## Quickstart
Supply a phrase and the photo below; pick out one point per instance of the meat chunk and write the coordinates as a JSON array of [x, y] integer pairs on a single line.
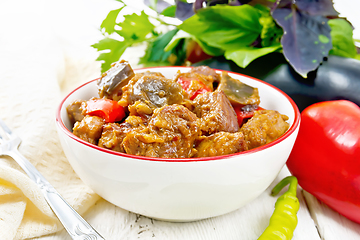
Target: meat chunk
[[170, 133], [74, 111], [89, 129], [220, 143], [148, 92], [112, 136], [264, 127], [141, 142], [150, 73], [136, 121], [215, 112]]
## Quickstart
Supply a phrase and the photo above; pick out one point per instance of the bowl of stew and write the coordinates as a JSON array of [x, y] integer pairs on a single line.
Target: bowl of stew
[[177, 143]]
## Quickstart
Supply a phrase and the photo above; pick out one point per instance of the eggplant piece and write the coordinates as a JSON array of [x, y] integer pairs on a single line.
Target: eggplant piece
[[111, 82], [146, 92], [336, 78], [238, 92]]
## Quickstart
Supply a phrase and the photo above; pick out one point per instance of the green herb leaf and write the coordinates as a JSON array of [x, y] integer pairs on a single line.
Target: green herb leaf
[[244, 56], [271, 33], [184, 35], [110, 21], [176, 39], [342, 38], [169, 11], [135, 27], [225, 27], [114, 50], [212, 51], [155, 53]]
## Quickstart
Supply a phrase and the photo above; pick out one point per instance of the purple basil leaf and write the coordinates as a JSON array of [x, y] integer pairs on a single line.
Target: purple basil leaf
[[284, 3], [183, 10], [317, 7], [306, 40], [199, 4]]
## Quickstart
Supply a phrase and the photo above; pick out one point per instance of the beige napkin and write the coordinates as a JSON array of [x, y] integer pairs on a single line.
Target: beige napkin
[[37, 67]]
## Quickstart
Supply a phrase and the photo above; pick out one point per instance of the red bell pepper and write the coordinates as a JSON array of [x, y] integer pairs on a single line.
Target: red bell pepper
[[195, 53], [108, 109], [243, 113], [326, 155], [193, 86]]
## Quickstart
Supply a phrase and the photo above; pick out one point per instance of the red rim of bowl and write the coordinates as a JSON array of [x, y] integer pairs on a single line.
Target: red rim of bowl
[[283, 137]]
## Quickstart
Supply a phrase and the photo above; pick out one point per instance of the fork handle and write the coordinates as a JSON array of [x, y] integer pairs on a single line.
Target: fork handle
[[74, 224]]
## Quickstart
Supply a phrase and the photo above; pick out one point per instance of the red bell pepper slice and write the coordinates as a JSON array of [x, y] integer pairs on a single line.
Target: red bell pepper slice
[[107, 109], [193, 86], [243, 113]]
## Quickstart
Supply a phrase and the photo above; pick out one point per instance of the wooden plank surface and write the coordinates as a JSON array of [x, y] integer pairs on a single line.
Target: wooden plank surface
[[331, 225], [316, 221], [246, 223]]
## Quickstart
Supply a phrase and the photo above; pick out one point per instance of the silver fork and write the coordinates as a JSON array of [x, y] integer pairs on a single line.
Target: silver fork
[[74, 224]]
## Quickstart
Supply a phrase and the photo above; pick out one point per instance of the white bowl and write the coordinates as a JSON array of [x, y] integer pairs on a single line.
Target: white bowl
[[180, 189]]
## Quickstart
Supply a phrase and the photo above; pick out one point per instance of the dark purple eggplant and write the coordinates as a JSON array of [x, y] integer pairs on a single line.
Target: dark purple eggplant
[[237, 92], [115, 78], [336, 78]]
